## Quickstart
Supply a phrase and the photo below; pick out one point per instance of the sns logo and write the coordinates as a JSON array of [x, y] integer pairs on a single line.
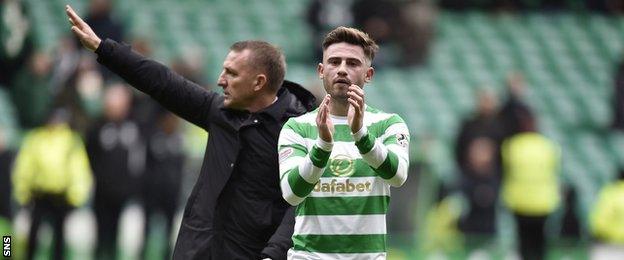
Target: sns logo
[[6, 246]]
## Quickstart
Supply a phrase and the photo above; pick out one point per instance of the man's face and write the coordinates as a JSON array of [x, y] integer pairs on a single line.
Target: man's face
[[117, 102], [344, 64], [237, 80], [487, 104]]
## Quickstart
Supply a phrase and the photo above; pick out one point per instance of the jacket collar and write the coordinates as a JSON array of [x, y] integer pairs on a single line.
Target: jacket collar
[[277, 109], [292, 99]]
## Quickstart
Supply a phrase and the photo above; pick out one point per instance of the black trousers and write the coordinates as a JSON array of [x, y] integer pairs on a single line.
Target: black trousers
[[531, 235], [152, 206], [107, 214], [55, 209]]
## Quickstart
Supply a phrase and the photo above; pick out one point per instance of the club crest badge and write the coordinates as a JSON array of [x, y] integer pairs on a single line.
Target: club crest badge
[[402, 140]]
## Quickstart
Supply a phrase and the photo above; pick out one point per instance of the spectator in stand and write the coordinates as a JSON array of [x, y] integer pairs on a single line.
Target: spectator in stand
[[162, 179], [65, 63], [380, 19], [117, 158], [484, 124], [480, 186], [514, 106], [103, 23], [415, 31], [325, 15], [16, 39], [30, 91], [83, 94]]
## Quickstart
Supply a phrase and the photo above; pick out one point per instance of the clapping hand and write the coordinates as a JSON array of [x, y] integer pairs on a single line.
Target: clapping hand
[[323, 121], [355, 114]]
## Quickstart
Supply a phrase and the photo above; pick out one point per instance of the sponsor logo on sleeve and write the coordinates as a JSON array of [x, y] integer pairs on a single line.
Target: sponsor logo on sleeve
[[285, 153]]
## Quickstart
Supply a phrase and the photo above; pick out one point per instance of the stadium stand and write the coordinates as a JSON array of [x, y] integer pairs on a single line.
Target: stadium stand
[[568, 60]]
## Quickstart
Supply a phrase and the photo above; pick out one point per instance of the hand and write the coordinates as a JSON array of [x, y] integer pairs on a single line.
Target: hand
[[82, 30], [323, 122], [355, 114]]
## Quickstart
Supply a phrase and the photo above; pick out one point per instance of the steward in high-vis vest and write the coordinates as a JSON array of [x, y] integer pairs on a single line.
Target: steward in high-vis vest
[[530, 187], [607, 217], [531, 166], [52, 173]]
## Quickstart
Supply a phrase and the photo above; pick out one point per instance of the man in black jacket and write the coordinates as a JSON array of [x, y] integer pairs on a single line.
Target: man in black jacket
[[235, 210], [114, 148]]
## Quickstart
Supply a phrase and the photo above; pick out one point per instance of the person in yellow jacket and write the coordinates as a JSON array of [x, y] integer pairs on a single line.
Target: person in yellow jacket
[[52, 174], [530, 184], [607, 217]]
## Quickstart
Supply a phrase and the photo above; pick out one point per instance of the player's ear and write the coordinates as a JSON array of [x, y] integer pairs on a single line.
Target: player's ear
[[369, 75]]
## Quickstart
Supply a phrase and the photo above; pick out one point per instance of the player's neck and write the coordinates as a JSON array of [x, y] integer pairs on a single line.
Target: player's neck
[[339, 107]]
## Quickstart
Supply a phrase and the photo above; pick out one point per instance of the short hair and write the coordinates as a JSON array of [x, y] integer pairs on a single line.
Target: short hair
[[267, 58], [352, 36]]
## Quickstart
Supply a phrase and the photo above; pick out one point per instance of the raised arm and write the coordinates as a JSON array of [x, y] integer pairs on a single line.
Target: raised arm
[[179, 95], [301, 169]]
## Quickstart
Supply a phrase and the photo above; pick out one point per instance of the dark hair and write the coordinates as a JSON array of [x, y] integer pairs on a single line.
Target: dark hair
[[267, 58], [352, 36], [527, 121]]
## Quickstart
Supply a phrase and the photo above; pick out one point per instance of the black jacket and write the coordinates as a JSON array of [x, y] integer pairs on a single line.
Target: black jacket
[[236, 205], [112, 149]]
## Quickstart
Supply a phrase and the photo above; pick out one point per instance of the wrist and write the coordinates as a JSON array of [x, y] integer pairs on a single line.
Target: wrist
[[365, 143], [324, 145], [357, 136], [100, 47], [98, 42], [319, 155]]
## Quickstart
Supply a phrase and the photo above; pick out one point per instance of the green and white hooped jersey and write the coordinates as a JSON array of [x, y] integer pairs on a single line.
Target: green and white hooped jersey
[[342, 189]]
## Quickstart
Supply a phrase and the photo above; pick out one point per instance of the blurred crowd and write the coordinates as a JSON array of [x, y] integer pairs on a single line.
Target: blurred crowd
[[606, 6], [86, 139], [507, 168], [403, 29]]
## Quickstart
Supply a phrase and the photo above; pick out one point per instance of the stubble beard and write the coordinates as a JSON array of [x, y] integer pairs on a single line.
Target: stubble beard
[[336, 93]]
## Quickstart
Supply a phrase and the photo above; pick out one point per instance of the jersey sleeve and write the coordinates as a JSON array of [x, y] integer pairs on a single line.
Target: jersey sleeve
[[388, 155], [300, 168]]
